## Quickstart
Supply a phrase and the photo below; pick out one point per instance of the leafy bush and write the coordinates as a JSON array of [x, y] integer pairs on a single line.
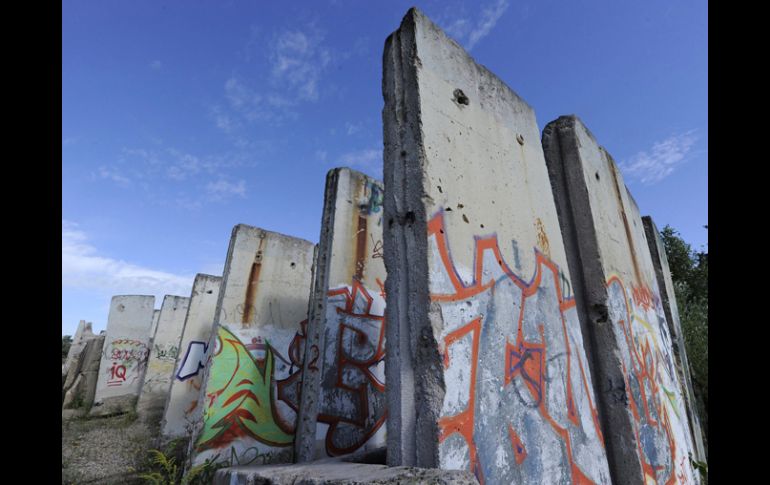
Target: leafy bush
[[164, 469]]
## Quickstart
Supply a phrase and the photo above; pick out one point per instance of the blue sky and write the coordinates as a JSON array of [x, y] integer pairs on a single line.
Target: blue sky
[[183, 119]]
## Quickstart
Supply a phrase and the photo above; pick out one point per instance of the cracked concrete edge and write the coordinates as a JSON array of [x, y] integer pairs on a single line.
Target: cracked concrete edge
[[411, 437], [307, 417]]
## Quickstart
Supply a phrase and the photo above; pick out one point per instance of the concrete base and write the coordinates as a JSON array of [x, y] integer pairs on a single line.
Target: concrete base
[[336, 472]]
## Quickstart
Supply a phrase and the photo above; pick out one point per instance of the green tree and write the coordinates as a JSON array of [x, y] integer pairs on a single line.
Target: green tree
[[66, 342], [689, 271]]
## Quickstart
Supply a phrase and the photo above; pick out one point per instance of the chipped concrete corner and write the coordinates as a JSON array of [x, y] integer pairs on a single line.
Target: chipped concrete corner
[[480, 309], [343, 395]]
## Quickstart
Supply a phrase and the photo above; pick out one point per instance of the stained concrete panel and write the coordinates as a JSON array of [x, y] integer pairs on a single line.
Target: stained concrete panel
[[486, 366], [162, 361], [125, 353], [641, 398], [182, 409], [668, 300], [343, 388], [250, 395]]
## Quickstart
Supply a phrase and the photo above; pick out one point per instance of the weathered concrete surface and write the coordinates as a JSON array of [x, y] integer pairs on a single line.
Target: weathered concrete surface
[[80, 386], [486, 366], [640, 394], [182, 405], [162, 361], [83, 334], [668, 300], [125, 353], [343, 385], [336, 472], [155, 320], [251, 386]]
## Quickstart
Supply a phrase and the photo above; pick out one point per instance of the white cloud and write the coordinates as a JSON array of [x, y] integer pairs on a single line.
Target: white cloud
[[352, 128], [469, 31], [222, 189], [84, 268], [114, 175], [298, 60], [489, 17], [368, 160], [661, 160], [156, 65]]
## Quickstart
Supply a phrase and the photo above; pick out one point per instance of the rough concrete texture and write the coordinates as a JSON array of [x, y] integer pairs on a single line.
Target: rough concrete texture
[[250, 395], [125, 353], [486, 365], [640, 395], [182, 404], [343, 385], [155, 320], [333, 472], [668, 299], [83, 334], [80, 386], [162, 361]]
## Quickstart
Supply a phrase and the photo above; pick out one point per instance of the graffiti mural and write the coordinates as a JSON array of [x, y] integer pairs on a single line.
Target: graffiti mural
[[194, 360], [518, 406], [129, 360], [252, 395], [652, 387], [352, 393]]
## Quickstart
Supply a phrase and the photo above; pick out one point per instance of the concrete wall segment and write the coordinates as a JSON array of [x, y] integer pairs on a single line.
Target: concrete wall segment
[[125, 354], [344, 383], [251, 386], [469, 217], [640, 395]]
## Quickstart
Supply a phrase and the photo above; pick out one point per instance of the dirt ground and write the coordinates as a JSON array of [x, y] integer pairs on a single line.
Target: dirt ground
[[110, 450]]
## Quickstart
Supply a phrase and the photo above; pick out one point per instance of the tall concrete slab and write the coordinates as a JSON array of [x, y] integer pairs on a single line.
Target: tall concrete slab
[[80, 385], [640, 392], [343, 387], [162, 361], [182, 404], [125, 353], [250, 395], [668, 300], [486, 367], [83, 334]]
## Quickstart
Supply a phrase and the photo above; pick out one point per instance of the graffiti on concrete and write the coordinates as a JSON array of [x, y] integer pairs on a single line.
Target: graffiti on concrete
[[651, 386], [373, 194], [242, 396], [166, 352], [194, 360], [129, 359], [352, 395], [518, 406]]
